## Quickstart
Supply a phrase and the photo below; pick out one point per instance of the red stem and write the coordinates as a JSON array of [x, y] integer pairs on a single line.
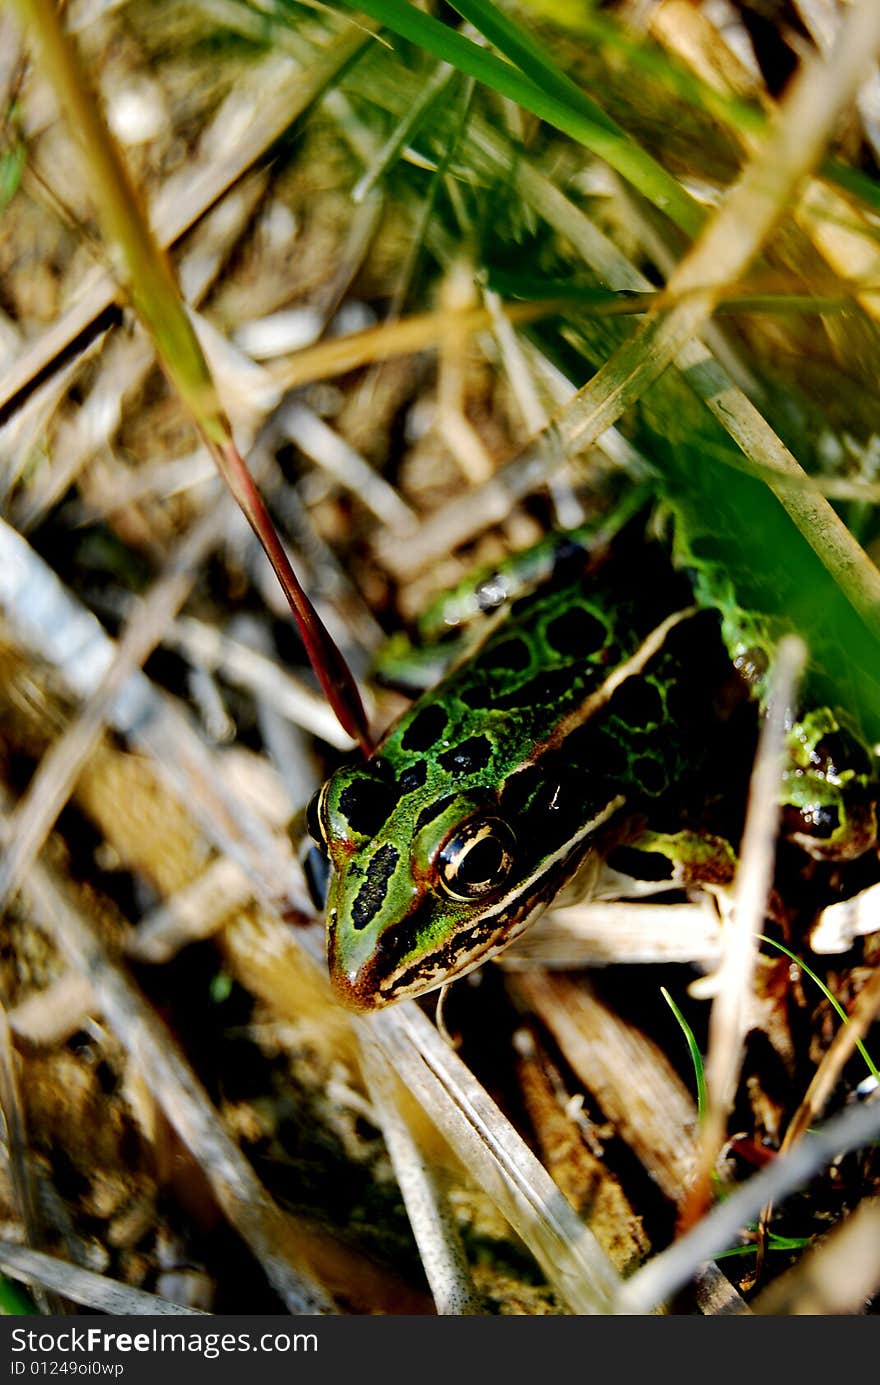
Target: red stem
[[326, 659]]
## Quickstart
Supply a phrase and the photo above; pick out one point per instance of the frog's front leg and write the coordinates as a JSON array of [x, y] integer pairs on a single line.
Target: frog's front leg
[[653, 862], [609, 914]]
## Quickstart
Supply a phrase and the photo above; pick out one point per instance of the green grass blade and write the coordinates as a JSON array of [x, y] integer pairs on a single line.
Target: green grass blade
[[601, 137], [12, 162], [149, 281], [530, 57], [693, 1046], [15, 1301], [774, 1243], [832, 999], [644, 58]]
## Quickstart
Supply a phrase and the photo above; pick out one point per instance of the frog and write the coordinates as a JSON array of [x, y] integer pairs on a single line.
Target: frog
[[589, 685]]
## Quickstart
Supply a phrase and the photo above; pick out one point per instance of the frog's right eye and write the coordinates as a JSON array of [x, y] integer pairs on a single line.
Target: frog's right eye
[[314, 824]]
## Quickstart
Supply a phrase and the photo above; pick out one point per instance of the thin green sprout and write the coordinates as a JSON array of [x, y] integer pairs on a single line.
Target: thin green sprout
[[829, 997], [696, 1056]]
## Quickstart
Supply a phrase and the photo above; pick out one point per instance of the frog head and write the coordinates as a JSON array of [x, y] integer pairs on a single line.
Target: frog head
[[427, 881]]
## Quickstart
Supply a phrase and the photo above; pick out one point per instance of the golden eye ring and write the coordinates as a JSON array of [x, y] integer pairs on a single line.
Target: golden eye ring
[[476, 859], [315, 817]]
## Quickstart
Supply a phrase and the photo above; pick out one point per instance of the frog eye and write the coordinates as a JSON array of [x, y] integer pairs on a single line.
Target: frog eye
[[477, 859], [314, 824]]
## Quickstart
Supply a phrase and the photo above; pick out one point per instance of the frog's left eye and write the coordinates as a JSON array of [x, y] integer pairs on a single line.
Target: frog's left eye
[[477, 859]]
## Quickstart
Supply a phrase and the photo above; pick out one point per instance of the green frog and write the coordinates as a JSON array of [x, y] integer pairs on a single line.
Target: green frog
[[595, 685]]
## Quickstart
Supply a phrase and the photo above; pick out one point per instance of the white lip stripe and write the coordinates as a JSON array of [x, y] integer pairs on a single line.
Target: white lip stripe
[[559, 854]]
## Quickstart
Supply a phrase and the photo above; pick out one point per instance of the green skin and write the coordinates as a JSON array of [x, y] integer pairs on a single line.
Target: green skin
[[577, 715]]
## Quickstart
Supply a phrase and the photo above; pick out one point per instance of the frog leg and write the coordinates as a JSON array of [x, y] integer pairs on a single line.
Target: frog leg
[[604, 917], [653, 862]]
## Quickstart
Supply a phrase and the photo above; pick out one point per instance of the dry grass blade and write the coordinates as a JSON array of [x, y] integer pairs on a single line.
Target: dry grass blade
[[497, 1156], [843, 1046], [94, 1291], [839, 1275], [52, 1015], [632, 1081], [53, 626], [637, 1090], [250, 669], [524, 1147], [731, 986], [15, 1133], [193, 913], [150, 283], [53, 782], [16, 1142], [145, 272], [430, 1216], [606, 933], [244, 1201], [712, 382], [317, 440], [840, 924], [126, 362], [721, 256], [402, 337], [483, 1139], [277, 95], [668, 1272]]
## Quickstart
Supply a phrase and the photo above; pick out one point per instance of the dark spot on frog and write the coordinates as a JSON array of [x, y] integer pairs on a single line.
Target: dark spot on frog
[[469, 755], [598, 752], [650, 774], [522, 608], [479, 696], [577, 633], [571, 559], [413, 777], [512, 655], [371, 895], [519, 789], [638, 704], [560, 806], [545, 690], [432, 811], [367, 803], [401, 939], [425, 729]]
